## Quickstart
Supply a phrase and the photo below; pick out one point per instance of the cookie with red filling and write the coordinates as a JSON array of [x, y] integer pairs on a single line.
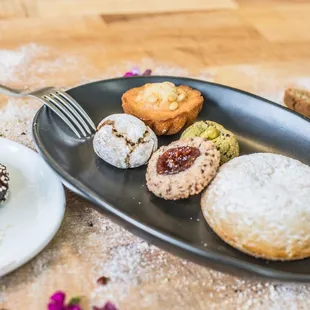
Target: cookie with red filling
[[182, 168]]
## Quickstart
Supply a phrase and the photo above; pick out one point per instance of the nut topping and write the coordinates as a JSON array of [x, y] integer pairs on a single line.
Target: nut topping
[[181, 97], [172, 97], [152, 98], [211, 133], [173, 106]]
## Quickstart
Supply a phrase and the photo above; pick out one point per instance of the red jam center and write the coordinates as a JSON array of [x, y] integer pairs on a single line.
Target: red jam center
[[177, 159]]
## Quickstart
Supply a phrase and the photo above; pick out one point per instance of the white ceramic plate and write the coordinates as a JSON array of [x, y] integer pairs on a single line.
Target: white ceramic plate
[[31, 216]]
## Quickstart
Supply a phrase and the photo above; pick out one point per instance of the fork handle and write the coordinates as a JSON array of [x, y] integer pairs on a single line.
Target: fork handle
[[11, 92]]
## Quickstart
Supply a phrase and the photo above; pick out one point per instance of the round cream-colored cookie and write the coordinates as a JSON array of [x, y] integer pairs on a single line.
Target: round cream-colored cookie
[[124, 141], [188, 181], [260, 204]]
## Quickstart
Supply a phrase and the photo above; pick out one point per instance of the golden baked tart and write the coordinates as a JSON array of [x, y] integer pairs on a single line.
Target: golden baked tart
[[164, 107]]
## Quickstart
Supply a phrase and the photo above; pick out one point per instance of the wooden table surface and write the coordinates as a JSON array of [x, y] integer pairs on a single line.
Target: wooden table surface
[[260, 46]]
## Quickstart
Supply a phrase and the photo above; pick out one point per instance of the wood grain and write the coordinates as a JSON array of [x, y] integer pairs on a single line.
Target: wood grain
[[259, 46]]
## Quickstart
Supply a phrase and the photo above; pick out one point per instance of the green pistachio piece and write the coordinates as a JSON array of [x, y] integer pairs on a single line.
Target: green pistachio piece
[[195, 130], [210, 133]]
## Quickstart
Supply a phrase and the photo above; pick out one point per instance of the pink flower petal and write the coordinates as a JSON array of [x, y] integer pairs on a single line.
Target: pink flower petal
[[55, 306], [128, 74], [109, 306], [147, 72], [58, 297]]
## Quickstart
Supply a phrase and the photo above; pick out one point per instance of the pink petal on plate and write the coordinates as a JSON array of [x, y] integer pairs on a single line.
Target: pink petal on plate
[[58, 297]]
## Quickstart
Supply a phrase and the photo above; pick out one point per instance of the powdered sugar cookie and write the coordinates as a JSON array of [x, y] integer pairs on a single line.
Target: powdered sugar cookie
[[259, 204], [124, 141], [182, 168]]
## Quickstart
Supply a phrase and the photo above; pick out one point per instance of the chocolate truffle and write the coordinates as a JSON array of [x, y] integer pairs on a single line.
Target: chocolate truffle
[[4, 183]]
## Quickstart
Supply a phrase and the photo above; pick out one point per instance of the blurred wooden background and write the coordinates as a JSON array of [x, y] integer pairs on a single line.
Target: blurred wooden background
[[206, 32]]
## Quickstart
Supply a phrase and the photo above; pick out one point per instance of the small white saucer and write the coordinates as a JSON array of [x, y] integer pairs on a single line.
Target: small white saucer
[[32, 215]]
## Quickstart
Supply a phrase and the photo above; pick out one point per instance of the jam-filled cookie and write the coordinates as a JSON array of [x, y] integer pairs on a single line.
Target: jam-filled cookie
[[183, 168], [4, 183], [164, 107], [224, 139], [124, 141]]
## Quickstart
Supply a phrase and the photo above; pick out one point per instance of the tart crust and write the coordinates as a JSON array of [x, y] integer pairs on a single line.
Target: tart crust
[[159, 115]]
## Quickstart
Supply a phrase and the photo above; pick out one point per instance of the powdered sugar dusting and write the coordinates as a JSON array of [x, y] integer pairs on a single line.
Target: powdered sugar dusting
[[89, 245], [273, 218]]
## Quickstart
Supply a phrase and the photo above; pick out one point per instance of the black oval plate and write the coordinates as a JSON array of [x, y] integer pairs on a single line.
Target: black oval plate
[[179, 227]]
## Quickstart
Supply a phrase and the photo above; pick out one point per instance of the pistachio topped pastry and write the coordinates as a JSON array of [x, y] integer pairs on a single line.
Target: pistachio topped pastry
[[225, 140], [165, 107]]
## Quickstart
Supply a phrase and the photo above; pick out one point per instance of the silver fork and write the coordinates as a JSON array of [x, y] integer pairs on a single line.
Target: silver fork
[[62, 104]]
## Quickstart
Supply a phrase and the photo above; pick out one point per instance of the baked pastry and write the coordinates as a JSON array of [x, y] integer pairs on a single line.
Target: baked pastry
[[183, 168], [224, 139], [124, 141], [298, 100], [259, 204], [164, 107], [4, 183]]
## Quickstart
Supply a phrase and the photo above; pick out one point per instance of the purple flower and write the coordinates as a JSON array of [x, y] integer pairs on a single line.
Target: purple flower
[[58, 297], [57, 302], [147, 72], [73, 307], [136, 72], [107, 306], [129, 74]]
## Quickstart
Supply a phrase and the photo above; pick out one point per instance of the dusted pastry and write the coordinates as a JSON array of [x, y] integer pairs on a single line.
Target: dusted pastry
[[224, 139], [124, 141], [259, 204], [183, 168], [164, 107], [4, 183]]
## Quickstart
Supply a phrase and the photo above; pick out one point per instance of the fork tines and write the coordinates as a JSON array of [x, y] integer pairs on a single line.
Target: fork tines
[[70, 111]]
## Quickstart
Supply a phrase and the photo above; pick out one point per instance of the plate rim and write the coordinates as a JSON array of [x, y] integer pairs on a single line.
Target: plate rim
[[206, 254], [40, 247]]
